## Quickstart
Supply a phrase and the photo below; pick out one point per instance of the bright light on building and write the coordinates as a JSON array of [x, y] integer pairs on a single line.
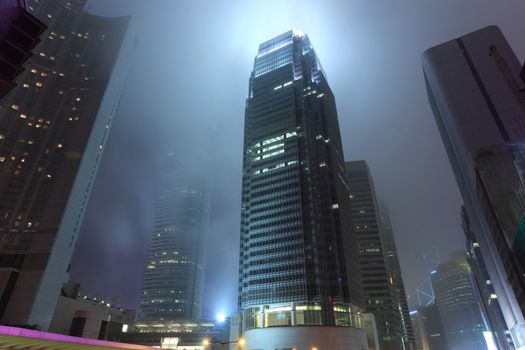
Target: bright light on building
[[221, 317], [241, 342], [489, 339]]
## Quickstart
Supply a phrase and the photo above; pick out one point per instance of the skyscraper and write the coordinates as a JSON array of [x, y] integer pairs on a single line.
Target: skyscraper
[[478, 99], [298, 262], [458, 308], [376, 259], [394, 268], [19, 33], [53, 128], [429, 328], [174, 277], [484, 290]]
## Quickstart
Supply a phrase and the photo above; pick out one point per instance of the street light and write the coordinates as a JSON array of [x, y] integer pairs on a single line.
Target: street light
[[241, 342]]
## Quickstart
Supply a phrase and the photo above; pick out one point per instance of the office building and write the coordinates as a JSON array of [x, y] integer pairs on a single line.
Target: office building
[[478, 99], [298, 263], [53, 128], [19, 34], [484, 293], [379, 289], [394, 268], [429, 328], [174, 277], [459, 310]]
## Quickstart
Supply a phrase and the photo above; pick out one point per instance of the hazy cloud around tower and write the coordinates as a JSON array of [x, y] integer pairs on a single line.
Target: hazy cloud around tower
[[186, 94]]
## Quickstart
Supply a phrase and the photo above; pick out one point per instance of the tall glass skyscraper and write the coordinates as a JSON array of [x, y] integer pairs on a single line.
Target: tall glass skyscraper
[[298, 262], [460, 312], [53, 128], [478, 99], [173, 282], [394, 268], [383, 288]]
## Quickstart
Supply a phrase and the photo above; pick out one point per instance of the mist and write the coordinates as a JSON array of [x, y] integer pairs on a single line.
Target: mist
[[186, 94]]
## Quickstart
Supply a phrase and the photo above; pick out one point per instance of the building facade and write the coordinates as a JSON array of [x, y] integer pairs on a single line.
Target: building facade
[[428, 327], [483, 289], [379, 288], [19, 34], [478, 99], [459, 310], [394, 268], [298, 262], [53, 128], [80, 315], [174, 277]]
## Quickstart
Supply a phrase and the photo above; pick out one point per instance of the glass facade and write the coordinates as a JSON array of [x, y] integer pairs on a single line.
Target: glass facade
[[377, 275], [298, 262], [174, 277], [459, 310], [392, 263], [53, 128], [478, 99]]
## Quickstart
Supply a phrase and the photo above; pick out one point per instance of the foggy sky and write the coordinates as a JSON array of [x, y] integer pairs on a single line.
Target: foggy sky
[[190, 80]]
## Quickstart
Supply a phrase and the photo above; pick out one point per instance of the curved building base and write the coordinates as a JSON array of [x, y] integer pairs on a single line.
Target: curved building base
[[306, 338]]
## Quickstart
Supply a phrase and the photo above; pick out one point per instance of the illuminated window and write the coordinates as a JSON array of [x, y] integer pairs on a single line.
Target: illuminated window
[[33, 70], [15, 107], [334, 206], [39, 84], [25, 85]]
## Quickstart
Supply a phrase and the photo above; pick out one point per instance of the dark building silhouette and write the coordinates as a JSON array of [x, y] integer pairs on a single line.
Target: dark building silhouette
[[459, 310], [483, 290], [19, 34], [298, 262], [53, 128], [478, 99], [377, 259], [174, 277]]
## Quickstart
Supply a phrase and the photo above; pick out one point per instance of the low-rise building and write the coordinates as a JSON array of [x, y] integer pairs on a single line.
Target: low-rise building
[[88, 317]]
